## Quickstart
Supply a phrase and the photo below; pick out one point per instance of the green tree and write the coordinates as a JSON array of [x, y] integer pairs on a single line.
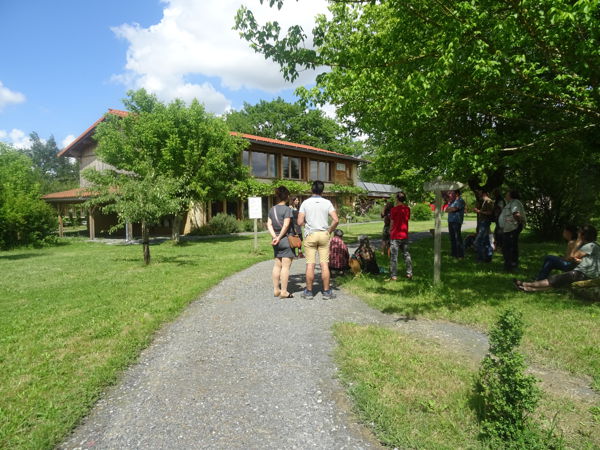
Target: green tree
[[472, 90], [135, 199], [174, 141], [278, 119], [56, 174], [25, 219]]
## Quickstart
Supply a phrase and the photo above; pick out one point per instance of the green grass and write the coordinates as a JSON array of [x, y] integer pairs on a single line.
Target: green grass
[[562, 331], [73, 316], [416, 394]]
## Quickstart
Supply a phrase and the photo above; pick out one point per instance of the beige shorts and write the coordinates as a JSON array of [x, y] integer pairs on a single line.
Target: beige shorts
[[317, 242]]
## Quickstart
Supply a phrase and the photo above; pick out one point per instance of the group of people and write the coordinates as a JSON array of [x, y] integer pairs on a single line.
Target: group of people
[[314, 215], [318, 217], [507, 213]]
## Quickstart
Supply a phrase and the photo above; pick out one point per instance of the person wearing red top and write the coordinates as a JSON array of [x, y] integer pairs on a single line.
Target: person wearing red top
[[400, 215]]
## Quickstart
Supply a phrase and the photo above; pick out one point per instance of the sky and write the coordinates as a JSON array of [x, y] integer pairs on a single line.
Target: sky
[[63, 63]]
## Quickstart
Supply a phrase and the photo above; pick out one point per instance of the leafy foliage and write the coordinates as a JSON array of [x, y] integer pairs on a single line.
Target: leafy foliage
[[485, 91], [507, 395], [293, 122], [56, 174], [421, 211], [174, 140], [25, 219]]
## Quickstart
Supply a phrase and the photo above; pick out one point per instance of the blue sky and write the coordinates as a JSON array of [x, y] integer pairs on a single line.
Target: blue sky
[[65, 62]]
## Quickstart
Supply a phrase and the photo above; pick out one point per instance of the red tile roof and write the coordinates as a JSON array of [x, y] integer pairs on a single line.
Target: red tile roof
[[252, 138], [89, 131], [290, 145], [71, 194]]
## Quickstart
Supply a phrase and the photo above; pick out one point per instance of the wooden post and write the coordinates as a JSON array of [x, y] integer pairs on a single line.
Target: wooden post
[[92, 224], [255, 235], [437, 186], [437, 239], [61, 228]]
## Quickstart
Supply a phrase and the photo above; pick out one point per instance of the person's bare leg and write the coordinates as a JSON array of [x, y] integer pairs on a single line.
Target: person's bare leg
[[275, 275], [285, 275], [310, 276], [541, 285], [325, 275]]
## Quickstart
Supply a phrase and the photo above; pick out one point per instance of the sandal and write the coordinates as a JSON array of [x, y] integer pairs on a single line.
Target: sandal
[[287, 296]]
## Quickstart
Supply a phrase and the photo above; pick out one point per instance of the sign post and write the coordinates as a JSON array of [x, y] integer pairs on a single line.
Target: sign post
[[438, 185], [255, 212]]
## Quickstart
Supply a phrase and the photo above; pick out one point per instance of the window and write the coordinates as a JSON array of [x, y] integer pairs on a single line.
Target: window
[[262, 164], [319, 170], [292, 168]]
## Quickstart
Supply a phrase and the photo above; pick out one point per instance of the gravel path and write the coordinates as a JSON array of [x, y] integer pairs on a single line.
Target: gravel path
[[242, 369], [238, 369]]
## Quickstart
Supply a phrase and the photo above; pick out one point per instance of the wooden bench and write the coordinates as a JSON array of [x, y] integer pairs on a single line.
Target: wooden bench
[[588, 289]]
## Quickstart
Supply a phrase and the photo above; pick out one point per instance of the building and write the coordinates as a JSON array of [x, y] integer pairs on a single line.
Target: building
[[268, 159]]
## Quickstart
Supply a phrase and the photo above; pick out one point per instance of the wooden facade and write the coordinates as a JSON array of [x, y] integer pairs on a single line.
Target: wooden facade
[[269, 160]]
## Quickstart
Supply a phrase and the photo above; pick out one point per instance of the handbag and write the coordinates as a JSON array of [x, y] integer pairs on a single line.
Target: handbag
[[293, 239]]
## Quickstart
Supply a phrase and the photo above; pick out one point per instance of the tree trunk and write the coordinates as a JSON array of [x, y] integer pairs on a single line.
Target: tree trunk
[[146, 242], [175, 236]]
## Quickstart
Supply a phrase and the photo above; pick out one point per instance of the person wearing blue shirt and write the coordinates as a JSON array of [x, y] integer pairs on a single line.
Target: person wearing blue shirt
[[456, 213]]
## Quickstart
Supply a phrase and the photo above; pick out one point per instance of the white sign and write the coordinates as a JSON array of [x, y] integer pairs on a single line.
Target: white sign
[[254, 207], [440, 185]]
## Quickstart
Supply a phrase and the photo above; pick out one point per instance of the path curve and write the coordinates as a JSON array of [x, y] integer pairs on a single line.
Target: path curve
[[242, 369]]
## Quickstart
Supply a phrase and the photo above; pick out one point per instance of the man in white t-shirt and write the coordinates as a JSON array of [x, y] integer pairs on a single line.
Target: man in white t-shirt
[[314, 215]]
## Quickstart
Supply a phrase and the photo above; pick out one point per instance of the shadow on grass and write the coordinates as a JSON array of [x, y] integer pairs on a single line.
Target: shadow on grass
[[19, 256], [465, 284]]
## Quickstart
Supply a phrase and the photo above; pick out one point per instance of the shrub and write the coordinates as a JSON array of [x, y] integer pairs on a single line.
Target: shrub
[[421, 211], [25, 219], [248, 225], [224, 224], [506, 395]]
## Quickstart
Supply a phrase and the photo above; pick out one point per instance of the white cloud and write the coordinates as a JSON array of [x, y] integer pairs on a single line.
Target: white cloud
[[67, 140], [16, 138], [197, 38], [7, 96]]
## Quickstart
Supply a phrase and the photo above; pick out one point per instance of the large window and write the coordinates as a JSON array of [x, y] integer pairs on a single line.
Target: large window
[[262, 164], [319, 170], [292, 168]]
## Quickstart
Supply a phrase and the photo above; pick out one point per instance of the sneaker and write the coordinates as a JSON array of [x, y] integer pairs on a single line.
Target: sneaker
[[307, 294], [409, 276], [328, 295]]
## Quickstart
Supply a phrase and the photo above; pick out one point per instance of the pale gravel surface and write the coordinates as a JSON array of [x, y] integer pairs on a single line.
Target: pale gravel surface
[[242, 369]]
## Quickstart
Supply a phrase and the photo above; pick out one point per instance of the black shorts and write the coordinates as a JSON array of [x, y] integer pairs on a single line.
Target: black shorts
[[566, 278]]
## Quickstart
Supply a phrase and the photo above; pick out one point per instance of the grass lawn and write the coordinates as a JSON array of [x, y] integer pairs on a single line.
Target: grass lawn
[[385, 371], [416, 394], [73, 316]]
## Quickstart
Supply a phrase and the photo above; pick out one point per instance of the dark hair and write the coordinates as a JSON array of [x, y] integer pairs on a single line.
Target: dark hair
[[401, 196], [282, 194], [571, 229], [294, 198], [457, 191], [318, 187], [589, 233], [514, 195], [339, 233]]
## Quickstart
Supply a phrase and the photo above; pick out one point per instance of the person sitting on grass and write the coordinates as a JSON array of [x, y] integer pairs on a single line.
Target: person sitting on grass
[[566, 263], [365, 256], [587, 256], [338, 253]]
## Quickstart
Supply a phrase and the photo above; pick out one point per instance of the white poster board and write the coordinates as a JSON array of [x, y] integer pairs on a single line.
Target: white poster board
[[255, 207]]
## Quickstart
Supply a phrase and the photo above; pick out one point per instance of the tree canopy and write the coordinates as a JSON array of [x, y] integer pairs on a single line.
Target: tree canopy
[[478, 91], [164, 157], [278, 119], [24, 218], [56, 174]]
